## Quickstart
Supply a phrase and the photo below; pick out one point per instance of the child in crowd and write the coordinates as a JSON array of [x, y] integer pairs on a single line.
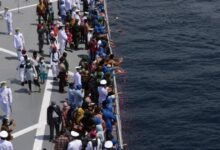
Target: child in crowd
[[43, 70]]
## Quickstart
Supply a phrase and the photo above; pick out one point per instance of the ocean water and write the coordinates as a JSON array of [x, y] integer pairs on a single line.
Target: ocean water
[[171, 92]]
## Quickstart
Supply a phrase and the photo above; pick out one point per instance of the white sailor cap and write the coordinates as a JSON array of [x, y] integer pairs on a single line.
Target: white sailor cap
[[86, 12], [74, 5], [84, 18], [4, 134], [78, 67], [99, 42], [112, 96], [3, 83], [108, 144], [17, 29], [103, 82], [74, 133], [91, 29], [77, 10]]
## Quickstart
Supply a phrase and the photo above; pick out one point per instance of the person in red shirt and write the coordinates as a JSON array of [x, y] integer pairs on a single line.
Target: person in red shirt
[[92, 49]]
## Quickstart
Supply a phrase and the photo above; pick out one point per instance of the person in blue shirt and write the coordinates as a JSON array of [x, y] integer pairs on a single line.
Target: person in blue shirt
[[109, 118]]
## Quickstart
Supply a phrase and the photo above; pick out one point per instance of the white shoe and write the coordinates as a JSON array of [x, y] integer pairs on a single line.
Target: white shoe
[[10, 33]]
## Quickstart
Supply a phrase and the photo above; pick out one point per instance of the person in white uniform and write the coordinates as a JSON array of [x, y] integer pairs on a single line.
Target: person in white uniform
[[77, 77], [62, 37], [8, 19], [75, 144], [18, 41], [5, 99], [103, 92], [4, 144]]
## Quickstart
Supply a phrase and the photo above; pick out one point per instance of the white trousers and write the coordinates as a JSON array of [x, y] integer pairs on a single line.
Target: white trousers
[[55, 69], [19, 54], [21, 74], [62, 47], [9, 27], [5, 109]]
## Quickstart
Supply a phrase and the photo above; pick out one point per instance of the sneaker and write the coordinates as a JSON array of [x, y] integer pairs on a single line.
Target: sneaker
[[10, 33]]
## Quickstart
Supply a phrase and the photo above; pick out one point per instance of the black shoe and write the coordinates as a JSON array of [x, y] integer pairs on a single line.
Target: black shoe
[[22, 83], [54, 78]]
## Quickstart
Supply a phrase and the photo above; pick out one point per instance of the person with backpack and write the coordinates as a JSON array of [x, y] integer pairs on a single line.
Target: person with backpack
[[31, 74], [94, 143]]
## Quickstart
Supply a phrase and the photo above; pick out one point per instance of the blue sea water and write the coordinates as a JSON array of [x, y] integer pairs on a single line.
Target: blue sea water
[[171, 92]]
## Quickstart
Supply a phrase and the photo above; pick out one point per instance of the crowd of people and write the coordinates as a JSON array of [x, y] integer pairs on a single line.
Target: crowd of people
[[86, 119]]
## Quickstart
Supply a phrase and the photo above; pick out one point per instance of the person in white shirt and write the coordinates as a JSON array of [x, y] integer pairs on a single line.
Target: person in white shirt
[[4, 144], [54, 62], [8, 19], [77, 17], [75, 144], [103, 92], [77, 2], [68, 4], [89, 35], [5, 99], [62, 37], [77, 77], [18, 41]]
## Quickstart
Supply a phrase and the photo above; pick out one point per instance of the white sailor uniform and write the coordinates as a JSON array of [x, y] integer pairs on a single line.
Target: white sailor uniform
[[8, 19], [6, 101], [18, 41]]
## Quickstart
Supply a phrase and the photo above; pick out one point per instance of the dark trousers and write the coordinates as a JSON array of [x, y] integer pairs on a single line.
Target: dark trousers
[[41, 44], [54, 124], [39, 18]]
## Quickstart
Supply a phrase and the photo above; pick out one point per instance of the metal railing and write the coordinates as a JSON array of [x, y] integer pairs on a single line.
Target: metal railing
[[117, 108]]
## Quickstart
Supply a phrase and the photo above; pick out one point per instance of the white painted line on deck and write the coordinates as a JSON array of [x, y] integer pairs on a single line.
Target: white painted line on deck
[[24, 131], [23, 7], [38, 142], [8, 52]]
